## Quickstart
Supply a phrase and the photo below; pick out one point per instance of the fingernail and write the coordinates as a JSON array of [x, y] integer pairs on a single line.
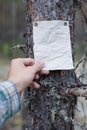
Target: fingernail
[[38, 86]]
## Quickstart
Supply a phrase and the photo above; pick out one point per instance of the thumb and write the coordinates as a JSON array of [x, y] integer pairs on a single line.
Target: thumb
[[38, 66]]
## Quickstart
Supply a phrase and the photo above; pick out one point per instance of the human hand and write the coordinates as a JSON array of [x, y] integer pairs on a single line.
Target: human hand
[[23, 71]]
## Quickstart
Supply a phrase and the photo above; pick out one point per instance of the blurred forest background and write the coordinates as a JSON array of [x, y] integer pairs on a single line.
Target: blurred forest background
[[12, 28]]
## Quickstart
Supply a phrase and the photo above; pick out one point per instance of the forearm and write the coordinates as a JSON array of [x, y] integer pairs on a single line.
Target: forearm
[[22, 73], [9, 101]]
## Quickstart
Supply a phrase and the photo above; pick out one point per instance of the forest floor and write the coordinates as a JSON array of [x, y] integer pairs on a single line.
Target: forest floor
[[15, 123]]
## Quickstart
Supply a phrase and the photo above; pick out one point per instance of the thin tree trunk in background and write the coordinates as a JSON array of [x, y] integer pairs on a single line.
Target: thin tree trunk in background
[[13, 15], [49, 108]]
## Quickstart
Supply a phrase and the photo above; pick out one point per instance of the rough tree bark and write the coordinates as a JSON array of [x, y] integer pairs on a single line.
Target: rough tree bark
[[49, 108]]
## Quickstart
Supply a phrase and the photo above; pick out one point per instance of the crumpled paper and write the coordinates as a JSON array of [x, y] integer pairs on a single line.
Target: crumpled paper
[[52, 44]]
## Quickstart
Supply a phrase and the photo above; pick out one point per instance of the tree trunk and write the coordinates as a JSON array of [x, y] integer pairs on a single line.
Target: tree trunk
[[49, 108]]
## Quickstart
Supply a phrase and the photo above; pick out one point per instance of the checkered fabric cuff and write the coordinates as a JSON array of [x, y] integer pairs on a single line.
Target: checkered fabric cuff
[[12, 96]]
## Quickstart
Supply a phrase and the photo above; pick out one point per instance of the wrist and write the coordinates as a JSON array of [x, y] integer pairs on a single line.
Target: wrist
[[17, 86]]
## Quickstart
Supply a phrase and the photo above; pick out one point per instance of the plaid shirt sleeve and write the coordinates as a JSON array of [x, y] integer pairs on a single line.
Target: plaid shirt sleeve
[[9, 101]]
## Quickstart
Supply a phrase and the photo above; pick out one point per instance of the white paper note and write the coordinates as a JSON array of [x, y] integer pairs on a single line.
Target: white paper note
[[52, 44]]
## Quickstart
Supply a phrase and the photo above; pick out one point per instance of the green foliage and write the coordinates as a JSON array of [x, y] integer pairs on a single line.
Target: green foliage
[[5, 49], [8, 51]]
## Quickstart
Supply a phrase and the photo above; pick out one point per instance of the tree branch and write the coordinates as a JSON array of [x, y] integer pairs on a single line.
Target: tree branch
[[77, 92], [84, 58]]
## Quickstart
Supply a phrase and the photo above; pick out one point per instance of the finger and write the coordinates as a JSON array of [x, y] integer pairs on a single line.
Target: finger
[[35, 84], [38, 66], [44, 72], [27, 61], [36, 76]]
